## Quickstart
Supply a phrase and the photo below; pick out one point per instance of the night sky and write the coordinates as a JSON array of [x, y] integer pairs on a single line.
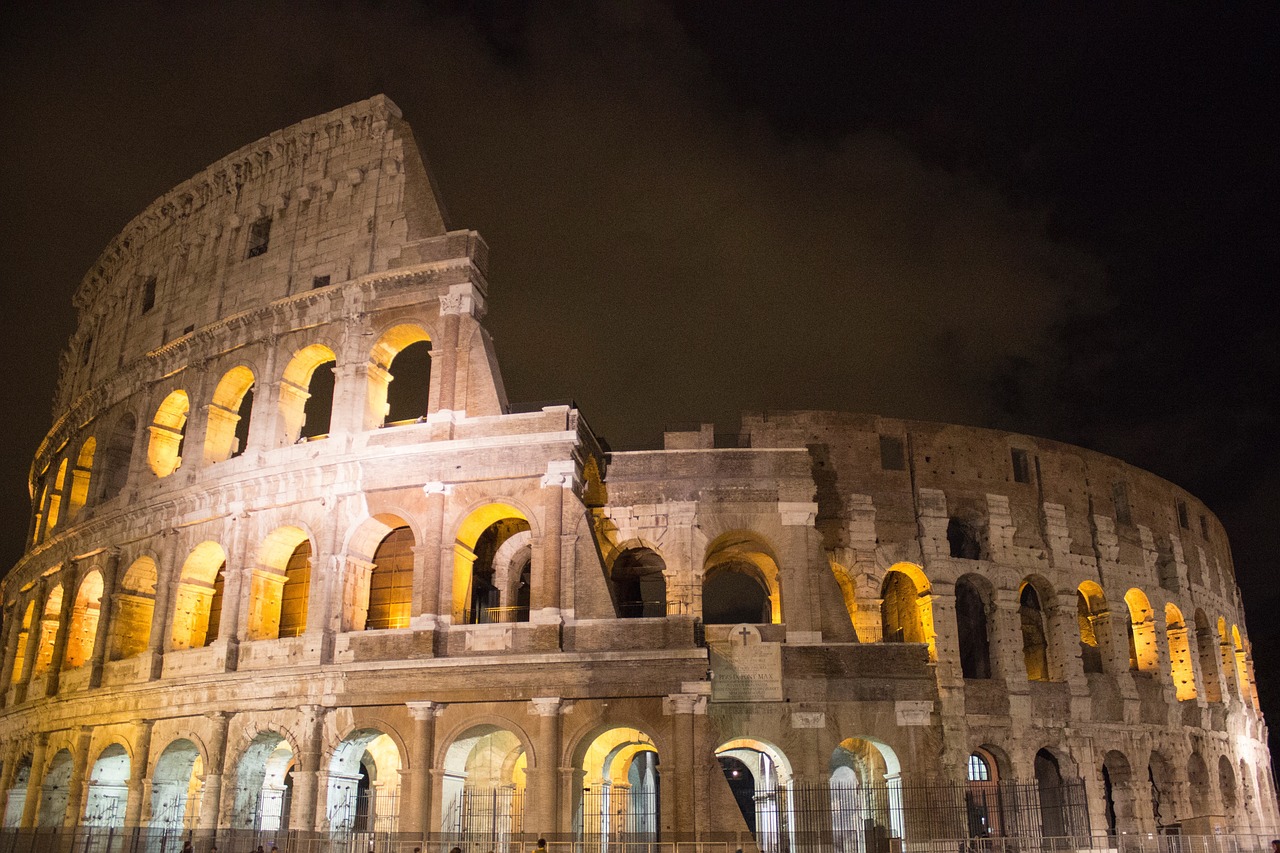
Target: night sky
[[1059, 221]]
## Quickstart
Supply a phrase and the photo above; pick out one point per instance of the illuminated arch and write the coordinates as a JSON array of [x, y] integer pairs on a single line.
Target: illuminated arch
[[108, 788], [480, 594], [1143, 654], [906, 613], [1243, 677], [53, 508], [306, 395], [637, 581], [85, 614], [403, 349], [858, 763], [758, 774], [1093, 621], [176, 786], [280, 585], [227, 430], [1180, 667], [364, 783], [133, 607], [263, 782], [1035, 629], [55, 790], [740, 580], [24, 638], [486, 763], [48, 631], [619, 796], [198, 600], [168, 433], [974, 597], [81, 477]]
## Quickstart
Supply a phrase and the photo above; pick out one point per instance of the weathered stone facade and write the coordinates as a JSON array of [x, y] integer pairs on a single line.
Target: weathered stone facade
[[243, 581]]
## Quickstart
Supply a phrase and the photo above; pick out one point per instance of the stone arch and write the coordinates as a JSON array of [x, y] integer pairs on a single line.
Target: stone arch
[[403, 351], [740, 581], [1227, 789], [906, 615], [1093, 619], [637, 580], [17, 793], [133, 607], [866, 791], [982, 794], [198, 599], [1243, 681], [54, 790], [1199, 786], [229, 415], [485, 768], [974, 598], [263, 781], [81, 477], [306, 394], [168, 434], [367, 544], [117, 457], [1180, 667], [108, 787], [1207, 656], [85, 613], [619, 793], [1143, 654], [50, 616], [477, 598], [364, 782], [758, 774], [53, 502], [280, 585], [849, 595], [24, 637], [1052, 770], [513, 573], [1119, 792], [177, 785], [1032, 593], [1160, 782]]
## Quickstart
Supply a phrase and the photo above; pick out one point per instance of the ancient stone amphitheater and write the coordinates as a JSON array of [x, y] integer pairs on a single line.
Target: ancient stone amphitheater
[[298, 572]]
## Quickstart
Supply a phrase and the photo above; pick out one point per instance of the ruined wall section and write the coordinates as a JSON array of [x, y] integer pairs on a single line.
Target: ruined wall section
[[322, 202]]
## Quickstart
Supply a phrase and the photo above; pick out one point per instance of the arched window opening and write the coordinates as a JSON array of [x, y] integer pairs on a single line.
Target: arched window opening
[[1091, 618], [1119, 794], [176, 787], [280, 585], [85, 614], [134, 606], [620, 782], [262, 784], [24, 637], [1247, 695], [227, 433], [482, 791], [734, 593], [759, 778], [1054, 820], [1035, 645], [639, 585], [971, 626], [1143, 654], [410, 383], [53, 509], [118, 456], [168, 434], [1184, 679], [17, 793], [108, 788], [391, 581], [48, 631], [900, 610], [1227, 788], [982, 795], [1207, 655], [55, 791], [306, 395], [962, 537], [78, 494], [494, 570], [197, 610], [866, 797], [1198, 786]]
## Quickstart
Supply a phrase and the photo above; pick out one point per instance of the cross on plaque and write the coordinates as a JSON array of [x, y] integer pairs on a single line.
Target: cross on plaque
[[744, 632]]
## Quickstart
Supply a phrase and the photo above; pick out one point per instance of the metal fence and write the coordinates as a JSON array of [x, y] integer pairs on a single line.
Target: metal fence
[[485, 818]]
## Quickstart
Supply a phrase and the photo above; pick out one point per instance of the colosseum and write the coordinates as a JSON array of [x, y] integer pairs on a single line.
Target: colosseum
[[298, 573]]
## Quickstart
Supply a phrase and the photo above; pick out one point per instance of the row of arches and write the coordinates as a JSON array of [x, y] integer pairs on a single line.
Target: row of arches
[[1201, 655], [303, 398]]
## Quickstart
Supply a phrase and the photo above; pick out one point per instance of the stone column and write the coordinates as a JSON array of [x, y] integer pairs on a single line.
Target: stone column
[[447, 356], [308, 776], [211, 805], [30, 808], [430, 571], [138, 773], [801, 610], [69, 591], [110, 579], [545, 596], [350, 382], [543, 803], [679, 775], [415, 797], [33, 641], [13, 630], [168, 576], [79, 773]]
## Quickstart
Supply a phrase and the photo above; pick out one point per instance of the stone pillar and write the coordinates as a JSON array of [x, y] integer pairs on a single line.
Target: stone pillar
[[69, 591], [545, 596], [31, 806], [415, 796], [110, 580], [13, 630], [543, 806], [233, 621], [679, 775], [138, 773], [347, 414], [211, 805], [33, 641], [430, 570], [444, 361], [801, 610], [168, 576], [308, 776], [79, 781]]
